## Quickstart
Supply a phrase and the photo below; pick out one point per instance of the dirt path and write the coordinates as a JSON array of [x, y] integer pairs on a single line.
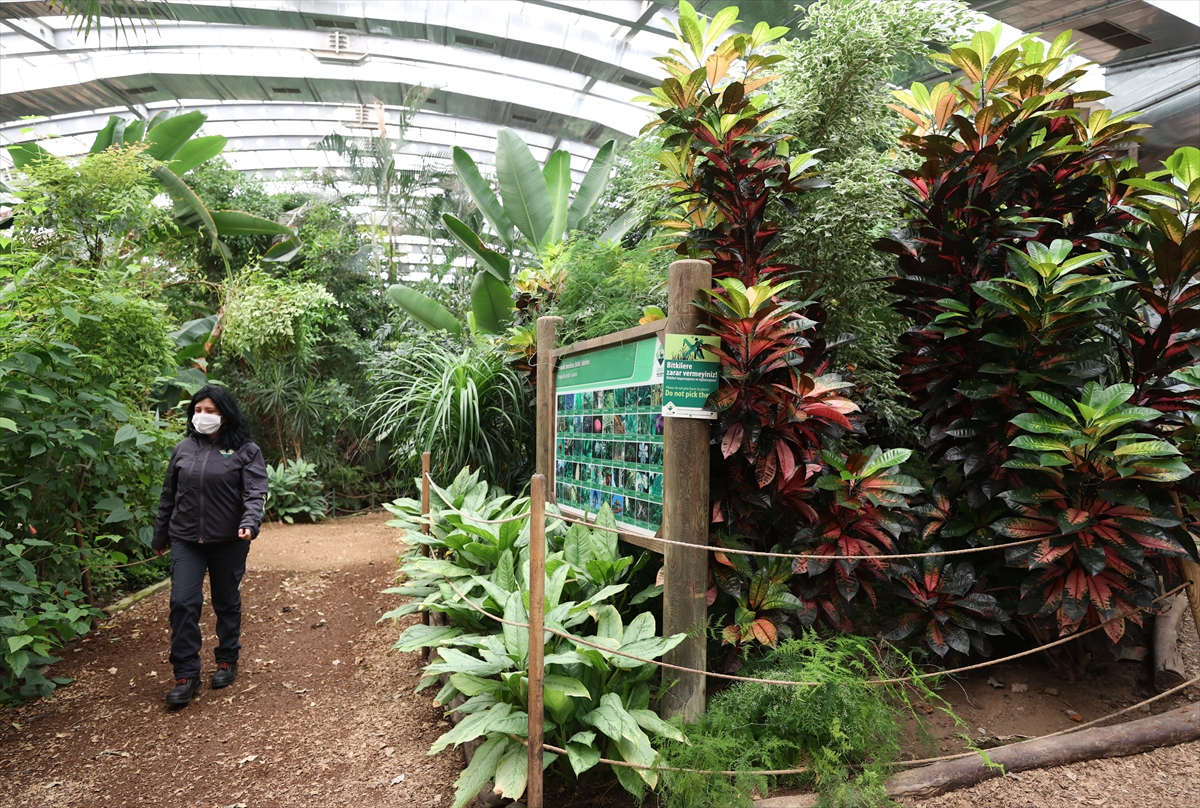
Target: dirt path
[[322, 713]]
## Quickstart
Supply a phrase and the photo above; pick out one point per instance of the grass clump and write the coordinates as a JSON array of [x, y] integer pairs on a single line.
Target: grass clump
[[844, 731]]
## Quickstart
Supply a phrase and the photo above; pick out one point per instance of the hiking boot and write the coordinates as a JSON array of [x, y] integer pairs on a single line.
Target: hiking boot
[[226, 673], [185, 690]]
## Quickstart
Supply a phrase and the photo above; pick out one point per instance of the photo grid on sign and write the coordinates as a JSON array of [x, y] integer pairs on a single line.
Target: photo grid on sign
[[609, 451]]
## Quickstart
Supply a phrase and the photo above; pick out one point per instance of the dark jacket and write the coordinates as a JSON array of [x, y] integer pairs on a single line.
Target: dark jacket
[[209, 494]]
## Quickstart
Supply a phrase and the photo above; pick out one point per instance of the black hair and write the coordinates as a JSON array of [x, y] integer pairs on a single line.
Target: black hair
[[234, 433]]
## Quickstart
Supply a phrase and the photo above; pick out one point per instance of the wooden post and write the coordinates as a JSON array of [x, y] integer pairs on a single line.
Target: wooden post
[[537, 637], [686, 514], [426, 616], [547, 341], [1191, 571], [424, 491]]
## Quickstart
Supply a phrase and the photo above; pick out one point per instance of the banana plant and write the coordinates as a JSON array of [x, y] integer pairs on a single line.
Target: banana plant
[[169, 141], [534, 211]]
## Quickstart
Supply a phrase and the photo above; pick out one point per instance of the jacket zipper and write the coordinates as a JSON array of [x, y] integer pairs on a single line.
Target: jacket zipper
[[203, 465]]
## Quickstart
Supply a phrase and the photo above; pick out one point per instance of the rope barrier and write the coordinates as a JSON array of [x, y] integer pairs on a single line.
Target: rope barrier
[[899, 763], [122, 566], [874, 682], [715, 548], [789, 682]]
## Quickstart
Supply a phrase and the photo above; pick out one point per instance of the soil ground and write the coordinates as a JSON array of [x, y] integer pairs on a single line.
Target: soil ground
[[323, 712]]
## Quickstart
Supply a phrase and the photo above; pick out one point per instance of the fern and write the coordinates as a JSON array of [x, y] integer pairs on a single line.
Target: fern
[[845, 731]]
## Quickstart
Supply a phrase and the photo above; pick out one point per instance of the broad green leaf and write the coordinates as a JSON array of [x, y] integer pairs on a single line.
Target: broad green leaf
[[25, 153], [1041, 424], [516, 640], [522, 187], [424, 310], [455, 661], [512, 772], [482, 769], [104, 137], [481, 192], [490, 260], [1184, 165], [237, 223], [1049, 401], [196, 151], [491, 302], [423, 636], [471, 685], [558, 186], [17, 643], [473, 726], [1149, 448], [593, 185], [649, 721], [886, 460], [9, 424], [283, 250], [567, 686], [127, 432], [581, 752], [167, 138], [134, 130], [188, 207], [1040, 444]]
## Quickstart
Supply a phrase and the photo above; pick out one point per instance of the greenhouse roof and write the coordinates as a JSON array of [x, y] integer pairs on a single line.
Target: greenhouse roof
[[277, 75]]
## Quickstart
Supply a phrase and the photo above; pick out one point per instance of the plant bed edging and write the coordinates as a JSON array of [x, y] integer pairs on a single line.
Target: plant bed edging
[[1146, 734]]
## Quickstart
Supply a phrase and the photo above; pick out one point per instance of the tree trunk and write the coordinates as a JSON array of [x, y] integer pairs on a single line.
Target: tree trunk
[[1168, 663], [1174, 727]]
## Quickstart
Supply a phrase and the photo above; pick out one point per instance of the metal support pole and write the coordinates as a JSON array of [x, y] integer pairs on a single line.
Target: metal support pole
[[686, 514], [537, 637], [547, 341]]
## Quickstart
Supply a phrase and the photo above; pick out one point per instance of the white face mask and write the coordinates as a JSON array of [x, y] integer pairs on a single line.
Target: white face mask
[[206, 423]]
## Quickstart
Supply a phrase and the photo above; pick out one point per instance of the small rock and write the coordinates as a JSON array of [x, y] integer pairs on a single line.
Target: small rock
[[1051, 691], [1076, 717], [399, 778], [389, 751], [1018, 687], [113, 671], [996, 682], [339, 662]]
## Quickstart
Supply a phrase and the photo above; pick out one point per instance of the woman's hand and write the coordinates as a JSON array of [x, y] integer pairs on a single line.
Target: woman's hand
[[160, 552], [245, 533]]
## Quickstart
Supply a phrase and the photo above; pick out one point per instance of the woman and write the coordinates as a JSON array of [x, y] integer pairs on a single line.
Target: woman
[[211, 508]]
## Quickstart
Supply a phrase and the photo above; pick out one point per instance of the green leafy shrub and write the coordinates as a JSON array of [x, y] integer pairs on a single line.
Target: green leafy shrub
[[597, 703], [466, 407], [294, 489], [607, 288], [840, 723]]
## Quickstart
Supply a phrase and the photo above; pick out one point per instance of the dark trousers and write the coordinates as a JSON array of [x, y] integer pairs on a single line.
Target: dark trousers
[[225, 563]]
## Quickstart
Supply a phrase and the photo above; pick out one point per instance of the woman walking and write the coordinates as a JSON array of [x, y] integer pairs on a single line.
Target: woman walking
[[211, 508]]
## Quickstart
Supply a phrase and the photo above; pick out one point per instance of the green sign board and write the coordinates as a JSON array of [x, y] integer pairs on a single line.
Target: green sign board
[[609, 432], [690, 375]]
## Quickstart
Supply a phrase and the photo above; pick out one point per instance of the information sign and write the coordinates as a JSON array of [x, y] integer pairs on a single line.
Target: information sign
[[690, 375], [609, 431]]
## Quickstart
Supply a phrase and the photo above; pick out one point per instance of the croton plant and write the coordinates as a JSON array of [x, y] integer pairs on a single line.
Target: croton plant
[[1037, 264], [1048, 282]]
